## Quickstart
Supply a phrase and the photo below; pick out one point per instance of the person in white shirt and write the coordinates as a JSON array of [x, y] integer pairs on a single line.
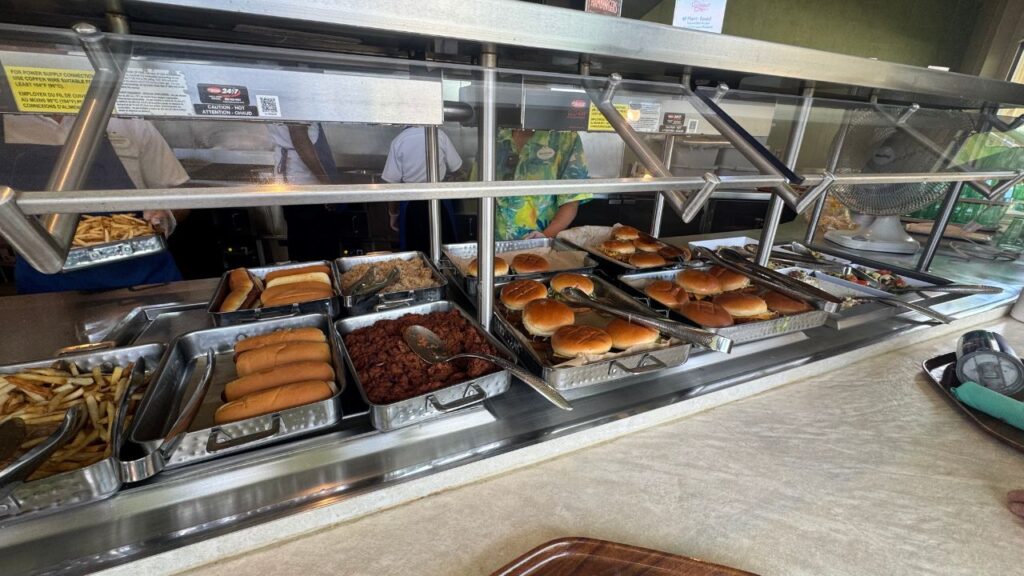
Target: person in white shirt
[[407, 162], [302, 155], [132, 155]]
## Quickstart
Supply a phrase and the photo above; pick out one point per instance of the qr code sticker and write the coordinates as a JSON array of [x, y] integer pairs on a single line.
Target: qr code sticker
[[692, 126], [269, 105]]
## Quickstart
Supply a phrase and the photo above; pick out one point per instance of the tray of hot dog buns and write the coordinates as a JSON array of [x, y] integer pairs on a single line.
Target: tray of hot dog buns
[[252, 294], [723, 301], [269, 381], [573, 346]]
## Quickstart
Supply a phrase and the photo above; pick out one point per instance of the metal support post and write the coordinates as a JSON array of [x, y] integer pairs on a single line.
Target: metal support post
[[833, 163], [659, 199], [603, 101], [27, 236], [775, 205], [485, 220], [433, 175]]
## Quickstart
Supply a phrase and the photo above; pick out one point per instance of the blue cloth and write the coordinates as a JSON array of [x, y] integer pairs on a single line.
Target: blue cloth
[[28, 167], [992, 403]]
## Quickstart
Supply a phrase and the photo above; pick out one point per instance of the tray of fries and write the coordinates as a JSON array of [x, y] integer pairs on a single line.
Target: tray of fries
[[85, 469], [105, 239]]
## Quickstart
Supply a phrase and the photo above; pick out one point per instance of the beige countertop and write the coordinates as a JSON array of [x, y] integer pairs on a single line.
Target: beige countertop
[[862, 470]]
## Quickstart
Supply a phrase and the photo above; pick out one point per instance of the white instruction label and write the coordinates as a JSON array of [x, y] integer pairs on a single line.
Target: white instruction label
[[153, 92]]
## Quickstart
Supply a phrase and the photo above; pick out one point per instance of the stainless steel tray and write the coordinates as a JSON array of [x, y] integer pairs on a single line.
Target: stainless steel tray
[[97, 481], [178, 376], [159, 323], [572, 377], [467, 250], [607, 262], [330, 306], [386, 417], [352, 306], [745, 332], [98, 254]]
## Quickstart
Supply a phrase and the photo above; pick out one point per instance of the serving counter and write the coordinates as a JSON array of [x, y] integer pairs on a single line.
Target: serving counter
[[276, 493]]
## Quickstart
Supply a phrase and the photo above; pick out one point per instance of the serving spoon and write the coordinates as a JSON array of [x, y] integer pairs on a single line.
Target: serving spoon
[[429, 347]]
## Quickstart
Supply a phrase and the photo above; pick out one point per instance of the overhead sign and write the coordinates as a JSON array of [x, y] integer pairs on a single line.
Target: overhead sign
[[703, 15]]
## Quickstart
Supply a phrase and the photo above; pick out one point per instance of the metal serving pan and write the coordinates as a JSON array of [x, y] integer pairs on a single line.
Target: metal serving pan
[[353, 306], [159, 323], [410, 411], [608, 263], [467, 251], [572, 377], [96, 481], [98, 254], [177, 379], [330, 306], [745, 332]]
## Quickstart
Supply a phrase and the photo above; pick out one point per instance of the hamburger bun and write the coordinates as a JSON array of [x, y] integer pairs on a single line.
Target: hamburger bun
[[674, 253], [573, 341], [529, 263], [625, 334], [646, 260], [544, 316], [728, 279], [666, 293], [742, 305], [500, 267], [647, 245], [617, 248], [698, 282], [518, 293], [625, 233], [706, 314], [567, 280], [782, 304]]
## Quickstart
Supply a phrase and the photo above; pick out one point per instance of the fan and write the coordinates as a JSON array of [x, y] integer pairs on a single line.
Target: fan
[[878, 148]]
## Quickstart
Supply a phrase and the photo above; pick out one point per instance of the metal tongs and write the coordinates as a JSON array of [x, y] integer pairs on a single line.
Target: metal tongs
[[701, 338], [735, 261], [367, 285], [16, 474]]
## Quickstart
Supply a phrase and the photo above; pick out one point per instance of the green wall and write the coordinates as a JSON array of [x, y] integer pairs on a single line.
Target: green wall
[[918, 32]]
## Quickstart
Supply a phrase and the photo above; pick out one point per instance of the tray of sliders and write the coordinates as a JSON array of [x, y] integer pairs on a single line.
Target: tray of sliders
[[514, 259], [399, 387], [232, 388], [106, 239], [253, 294], [725, 302], [572, 345], [104, 388], [377, 282], [624, 247]]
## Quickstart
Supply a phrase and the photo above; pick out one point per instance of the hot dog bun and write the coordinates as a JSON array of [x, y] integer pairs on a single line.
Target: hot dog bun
[[278, 376], [290, 335], [244, 291], [320, 277], [294, 271], [295, 293], [273, 400], [273, 355], [239, 278]]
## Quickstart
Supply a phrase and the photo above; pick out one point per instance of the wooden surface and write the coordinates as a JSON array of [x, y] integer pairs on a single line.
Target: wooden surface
[[590, 557]]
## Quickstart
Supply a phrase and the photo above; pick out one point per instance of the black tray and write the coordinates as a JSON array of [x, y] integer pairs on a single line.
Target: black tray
[[941, 370]]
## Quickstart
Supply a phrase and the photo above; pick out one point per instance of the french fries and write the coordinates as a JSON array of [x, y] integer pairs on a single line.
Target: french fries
[[100, 229], [41, 396]]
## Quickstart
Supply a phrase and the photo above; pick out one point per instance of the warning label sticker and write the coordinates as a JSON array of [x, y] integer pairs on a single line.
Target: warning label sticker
[[47, 90], [153, 92]]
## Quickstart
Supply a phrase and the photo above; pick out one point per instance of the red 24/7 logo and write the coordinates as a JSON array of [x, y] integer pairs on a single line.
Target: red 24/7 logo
[[699, 6]]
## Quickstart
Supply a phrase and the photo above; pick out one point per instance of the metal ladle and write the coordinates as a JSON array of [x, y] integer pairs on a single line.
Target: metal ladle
[[429, 347]]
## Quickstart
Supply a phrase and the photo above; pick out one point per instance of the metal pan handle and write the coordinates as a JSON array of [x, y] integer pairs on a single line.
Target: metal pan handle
[[476, 397], [213, 444], [291, 310], [188, 414], [392, 304], [78, 348], [652, 364]]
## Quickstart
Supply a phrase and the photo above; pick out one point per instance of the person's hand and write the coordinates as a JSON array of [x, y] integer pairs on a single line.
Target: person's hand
[[1016, 502], [534, 234], [393, 221], [163, 221]]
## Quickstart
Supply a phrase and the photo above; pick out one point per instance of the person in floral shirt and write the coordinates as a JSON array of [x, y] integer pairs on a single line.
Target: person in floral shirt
[[537, 155]]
